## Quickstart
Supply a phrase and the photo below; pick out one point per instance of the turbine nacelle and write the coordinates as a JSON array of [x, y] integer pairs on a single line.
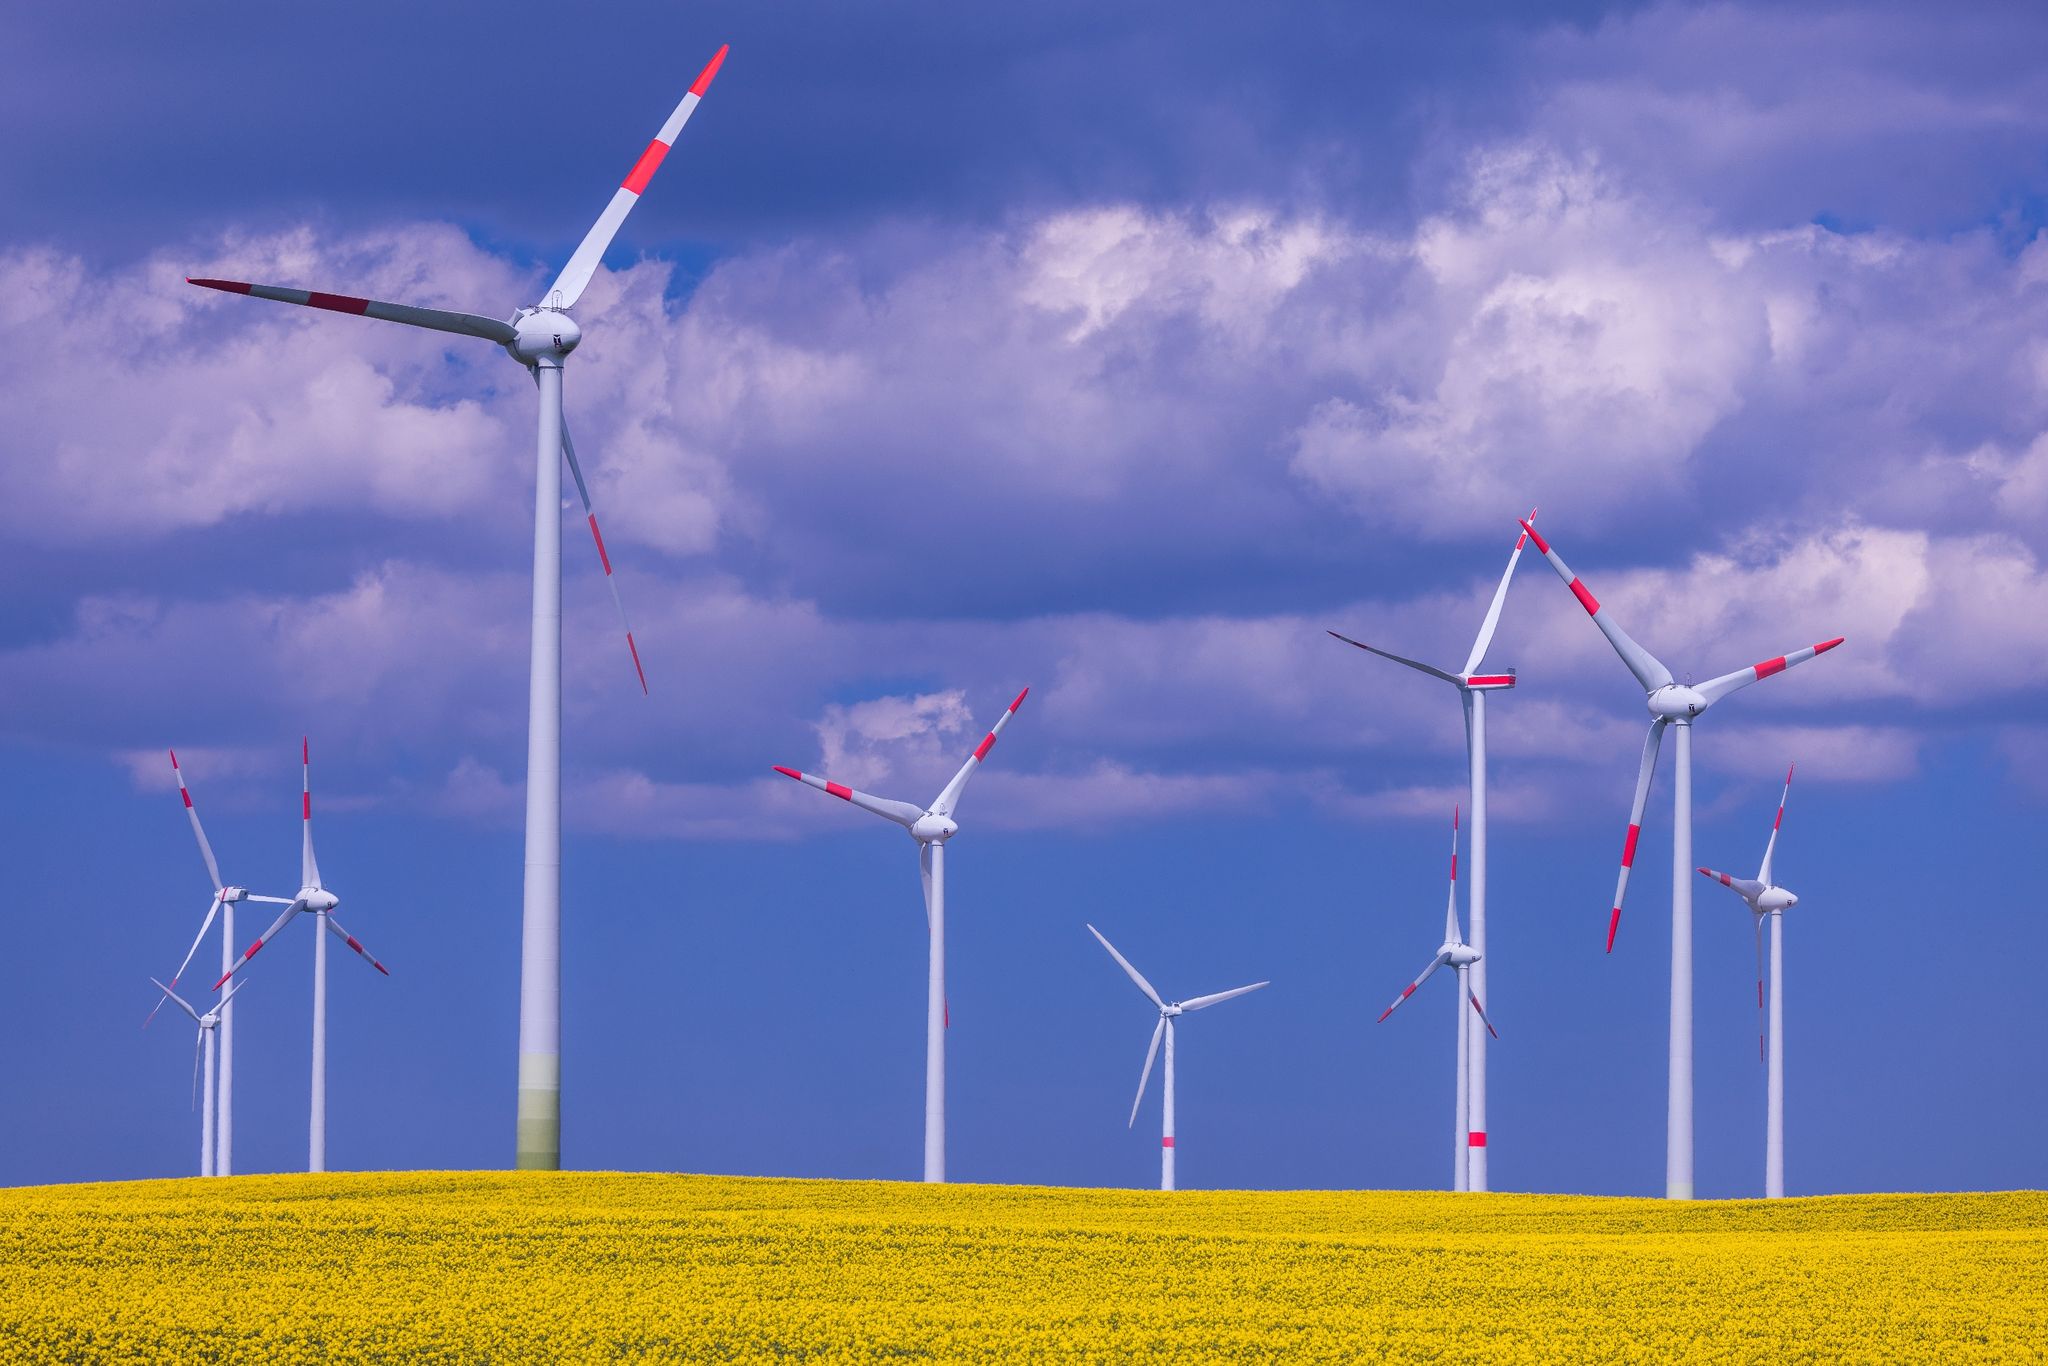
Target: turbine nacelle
[[1459, 955], [932, 828], [1677, 702], [543, 334], [1776, 899], [318, 899]]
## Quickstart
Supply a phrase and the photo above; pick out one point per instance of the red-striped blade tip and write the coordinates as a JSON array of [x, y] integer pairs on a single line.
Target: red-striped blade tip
[[174, 761], [1020, 699], [1613, 924], [710, 72], [1523, 539], [1542, 545], [1788, 773], [231, 286], [789, 773], [636, 664], [1456, 814], [1384, 1013], [1827, 645], [380, 967], [305, 751], [1706, 872]]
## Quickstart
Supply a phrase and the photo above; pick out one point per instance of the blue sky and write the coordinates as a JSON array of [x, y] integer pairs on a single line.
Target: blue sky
[[953, 351]]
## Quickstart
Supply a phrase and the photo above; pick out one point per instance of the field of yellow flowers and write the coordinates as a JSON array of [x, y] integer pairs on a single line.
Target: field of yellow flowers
[[549, 1267]]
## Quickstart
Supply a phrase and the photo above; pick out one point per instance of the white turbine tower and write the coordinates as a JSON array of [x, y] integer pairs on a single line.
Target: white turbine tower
[[931, 826], [223, 905], [539, 338], [1473, 687], [314, 898], [1169, 1011], [1767, 900], [209, 1027], [1465, 959], [1672, 704]]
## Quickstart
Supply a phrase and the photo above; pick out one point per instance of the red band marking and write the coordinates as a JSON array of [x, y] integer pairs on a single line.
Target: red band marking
[[1586, 599], [174, 760], [336, 303], [1454, 867], [1628, 847], [1822, 649], [840, 790], [1476, 1139], [1771, 666], [1759, 993], [636, 661], [1166, 1142], [186, 795], [644, 169], [351, 940], [1542, 545], [251, 953], [1407, 991], [1613, 924], [705, 77], [598, 536], [308, 806], [981, 750], [1726, 881], [231, 286], [305, 750], [789, 773], [1491, 681]]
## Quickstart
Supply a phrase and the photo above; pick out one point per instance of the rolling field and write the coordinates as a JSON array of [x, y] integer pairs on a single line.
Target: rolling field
[[510, 1267]]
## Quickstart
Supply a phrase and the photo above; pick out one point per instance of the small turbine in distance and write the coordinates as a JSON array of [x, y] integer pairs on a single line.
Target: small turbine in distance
[[209, 1027]]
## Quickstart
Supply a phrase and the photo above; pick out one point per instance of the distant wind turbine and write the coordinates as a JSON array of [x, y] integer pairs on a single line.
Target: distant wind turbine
[[209, 1027]]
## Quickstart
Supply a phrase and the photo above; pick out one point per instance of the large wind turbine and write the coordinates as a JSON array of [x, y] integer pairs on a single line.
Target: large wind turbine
[[1767, 900], [223, 905], [931, 826], [1169, 1011], [539, 338], [1672, 704], [1464, 959], [209, 1026], [315, 898], [1473, 687]]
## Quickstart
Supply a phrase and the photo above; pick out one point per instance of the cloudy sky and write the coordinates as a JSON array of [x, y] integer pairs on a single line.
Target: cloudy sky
[[955, 350]]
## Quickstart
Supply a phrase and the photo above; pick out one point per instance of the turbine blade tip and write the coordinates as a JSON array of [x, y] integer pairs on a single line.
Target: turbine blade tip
[[789, 772], [1020, 699], [1827, 645], [710, 71]]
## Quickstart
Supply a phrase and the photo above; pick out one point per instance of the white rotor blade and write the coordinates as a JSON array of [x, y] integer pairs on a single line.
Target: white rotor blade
[[1452, 934], [1771, 847], [924, 869], [1743, 887], [1136, 976], [903, 813], [569, 285], [1500, 597], [603, 558], [435, 319], [1651, 745], [198, 831], [1648, 669], [174, 996], [1145, 1077], [1714, 689], [204, 926], [1409, 990], [950, 798], [261, 940], [309, 867], [354, 943], [1482, 1014], [229, 995], [1415, 664], [1213, 998]]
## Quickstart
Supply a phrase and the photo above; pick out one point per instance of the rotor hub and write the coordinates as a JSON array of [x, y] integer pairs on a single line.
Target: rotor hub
[[1460, 955], [545, 334], [1677, 702], [318, 899], [933, 829]]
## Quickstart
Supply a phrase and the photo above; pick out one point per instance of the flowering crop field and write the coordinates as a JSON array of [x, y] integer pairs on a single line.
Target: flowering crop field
[[547, 1267]]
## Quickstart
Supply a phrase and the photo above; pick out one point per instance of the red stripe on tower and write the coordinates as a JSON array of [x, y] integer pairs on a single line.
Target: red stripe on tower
[[644, 169], [840, 790], [1586, 598]]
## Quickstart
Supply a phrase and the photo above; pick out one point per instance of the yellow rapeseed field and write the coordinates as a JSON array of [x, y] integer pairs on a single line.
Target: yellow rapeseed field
[[587, 1267]]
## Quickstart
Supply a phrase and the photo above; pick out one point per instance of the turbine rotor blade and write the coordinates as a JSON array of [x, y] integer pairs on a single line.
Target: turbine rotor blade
[[1651, 745], [1414, 664], [1746, 888], [434, 319], [1500, 597], [1409, 990], [198, 831], [1648, 669], [197, 939], [950, 797], [903, 813], [1452, 934], [1145, 1077], [1714, 689], [309, 867], [1204, 1002], [1763, 874], [924, 868], [1125, 963], [582, 264], [345, 937], [170, 995], [604, 559], [1482, 1014], [261, 940]]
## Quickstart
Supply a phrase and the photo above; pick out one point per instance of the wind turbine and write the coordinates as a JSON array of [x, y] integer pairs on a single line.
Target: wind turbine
[[931, 827], [539, 338], [1672, 704], [314, 898], [223, 905], [209, 1026], [1464, 959], [1767, 900], [1473, 687], [1169, 1011]]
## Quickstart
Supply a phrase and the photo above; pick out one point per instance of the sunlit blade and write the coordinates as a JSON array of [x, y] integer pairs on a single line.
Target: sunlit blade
[[229, 995], [170, 995], [1714, 689], [1764, 874], [1500, 597], [261, 940], [1635, 823], [1145, 1077], [204, 926], [1746, 888], [309, 867], [1452, 935], [345, 937], [1482, 1014], [569, 285], [903, 813], [1414, 664], [1409, 990], [1203, 1002], [603, 558], [1125, 963], [950, 798], [436, 319], [1648, 669], [198, 831], [924, 869]]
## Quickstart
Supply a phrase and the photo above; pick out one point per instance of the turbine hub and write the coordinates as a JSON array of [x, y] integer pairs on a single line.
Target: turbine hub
[[1169, 1011], [544, 334], [1776, 899], [318, 898], [933, 829], [1460, 955], [233, 893], [1677, 702]]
